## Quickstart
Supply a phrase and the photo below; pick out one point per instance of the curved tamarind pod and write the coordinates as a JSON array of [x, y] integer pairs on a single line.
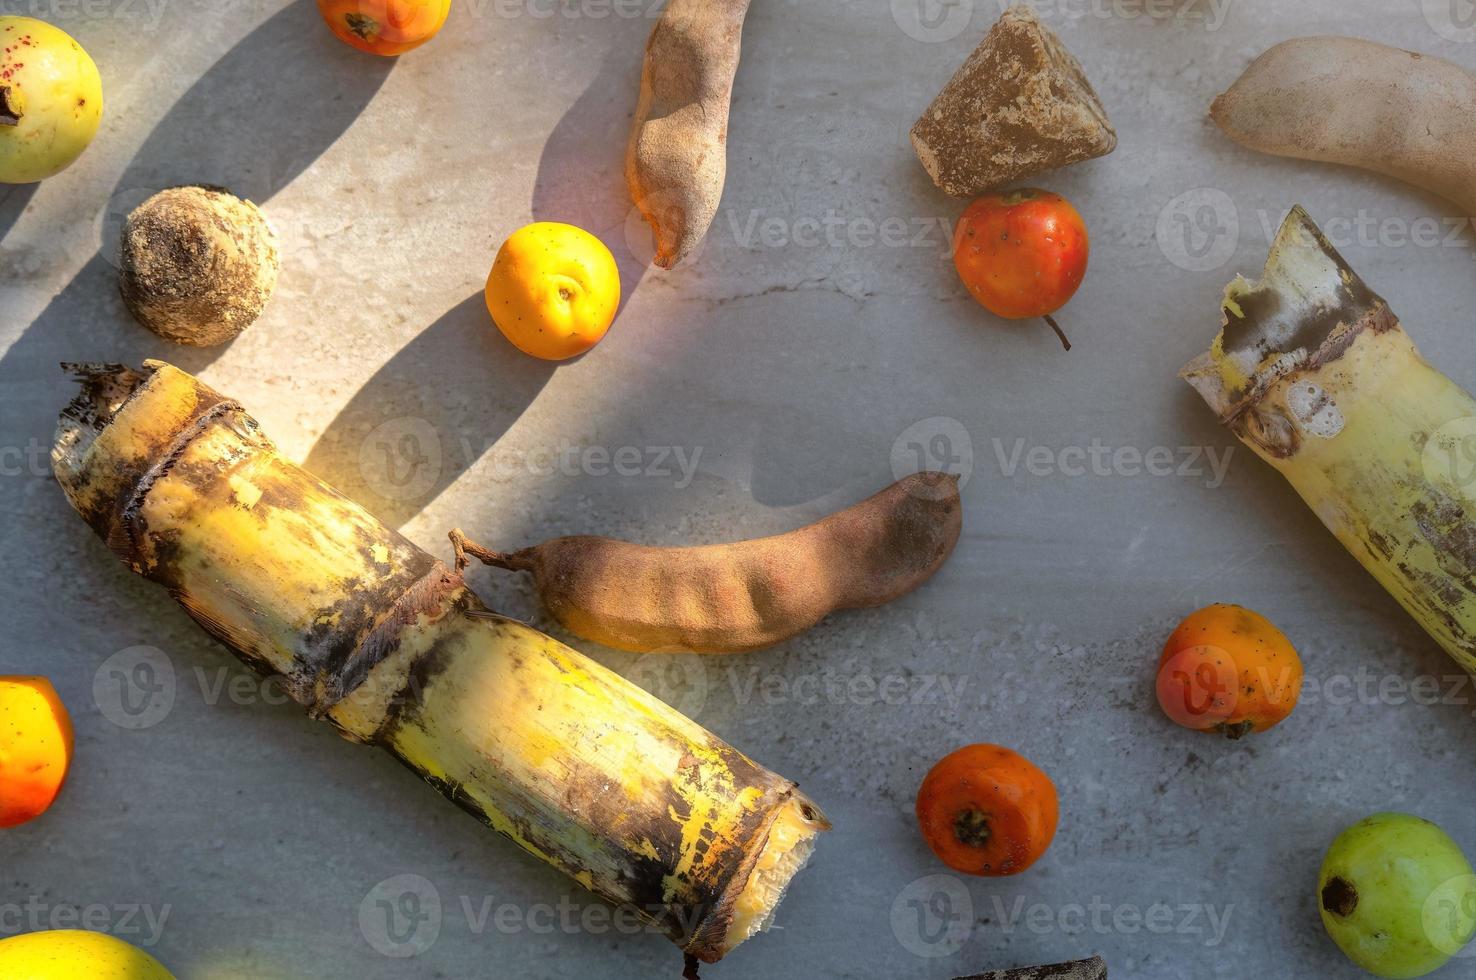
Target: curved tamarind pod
[[733, 598], [1343, 100], [677, 160], [574, 763]]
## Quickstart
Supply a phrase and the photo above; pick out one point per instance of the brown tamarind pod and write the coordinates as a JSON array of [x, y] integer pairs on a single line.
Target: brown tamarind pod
[[732, 598]]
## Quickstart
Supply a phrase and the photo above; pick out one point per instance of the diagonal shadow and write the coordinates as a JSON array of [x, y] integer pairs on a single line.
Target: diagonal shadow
[[428, 414], [238, 127], [581, 172], [441, 403], [13, 201]]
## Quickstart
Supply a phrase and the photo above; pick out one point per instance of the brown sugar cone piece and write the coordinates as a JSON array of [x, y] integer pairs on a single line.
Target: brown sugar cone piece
[[1019, 106]]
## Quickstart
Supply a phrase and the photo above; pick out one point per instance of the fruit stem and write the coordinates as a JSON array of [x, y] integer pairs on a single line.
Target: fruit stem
[[1237, 731], [1059, 332], [10, 114], [516, 562]]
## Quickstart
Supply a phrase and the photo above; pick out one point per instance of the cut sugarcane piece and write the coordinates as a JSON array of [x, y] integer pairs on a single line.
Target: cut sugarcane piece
[[574, 763], [1314, 372]]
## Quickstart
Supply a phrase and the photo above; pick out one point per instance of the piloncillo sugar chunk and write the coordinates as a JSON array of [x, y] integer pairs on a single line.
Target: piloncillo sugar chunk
[[1020, 105]]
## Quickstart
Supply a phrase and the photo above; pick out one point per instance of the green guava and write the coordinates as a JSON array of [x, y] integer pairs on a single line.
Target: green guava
[[1397, 895]]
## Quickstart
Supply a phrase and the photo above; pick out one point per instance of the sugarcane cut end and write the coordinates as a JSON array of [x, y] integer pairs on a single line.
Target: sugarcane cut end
[[106, 469], [1304, 311], [786, 850]]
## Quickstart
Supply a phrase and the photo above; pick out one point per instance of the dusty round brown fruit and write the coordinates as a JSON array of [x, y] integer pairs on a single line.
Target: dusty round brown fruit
[[732, 598], [198, 264]]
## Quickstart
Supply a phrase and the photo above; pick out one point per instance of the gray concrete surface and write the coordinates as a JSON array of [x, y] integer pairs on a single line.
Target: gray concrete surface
[[796, 366]]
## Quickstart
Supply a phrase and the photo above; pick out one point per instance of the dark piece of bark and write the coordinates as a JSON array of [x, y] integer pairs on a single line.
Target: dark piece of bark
[[1092, 969], [1019, 106]]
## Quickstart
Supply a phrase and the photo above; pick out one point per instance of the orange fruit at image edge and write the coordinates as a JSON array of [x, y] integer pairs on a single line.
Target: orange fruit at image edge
[[384, 27], [987, 810], [35, 748], [1229, 671]]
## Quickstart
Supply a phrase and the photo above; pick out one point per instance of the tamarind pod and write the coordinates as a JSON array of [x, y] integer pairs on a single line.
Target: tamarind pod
[[733, 598], [572, 762], [1363, 104], [1314, 372], [677, 159]]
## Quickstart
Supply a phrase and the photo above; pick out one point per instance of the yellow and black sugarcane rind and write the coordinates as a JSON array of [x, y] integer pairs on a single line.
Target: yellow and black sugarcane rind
[[575, 764], [1314, 372], [194, 435]]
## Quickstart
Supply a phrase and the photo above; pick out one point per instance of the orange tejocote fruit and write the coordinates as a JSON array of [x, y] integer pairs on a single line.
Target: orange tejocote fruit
[[387, 27], [554, 290], [987, 810], [1228, 671], [35, 748]]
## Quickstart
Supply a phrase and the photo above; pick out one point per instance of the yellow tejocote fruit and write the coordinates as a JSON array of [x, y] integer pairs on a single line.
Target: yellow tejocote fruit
[[553, 290], [76, 954]]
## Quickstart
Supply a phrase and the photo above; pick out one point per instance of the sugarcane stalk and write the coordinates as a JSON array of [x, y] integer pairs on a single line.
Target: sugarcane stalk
[[1314, 372], [572, 762]]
